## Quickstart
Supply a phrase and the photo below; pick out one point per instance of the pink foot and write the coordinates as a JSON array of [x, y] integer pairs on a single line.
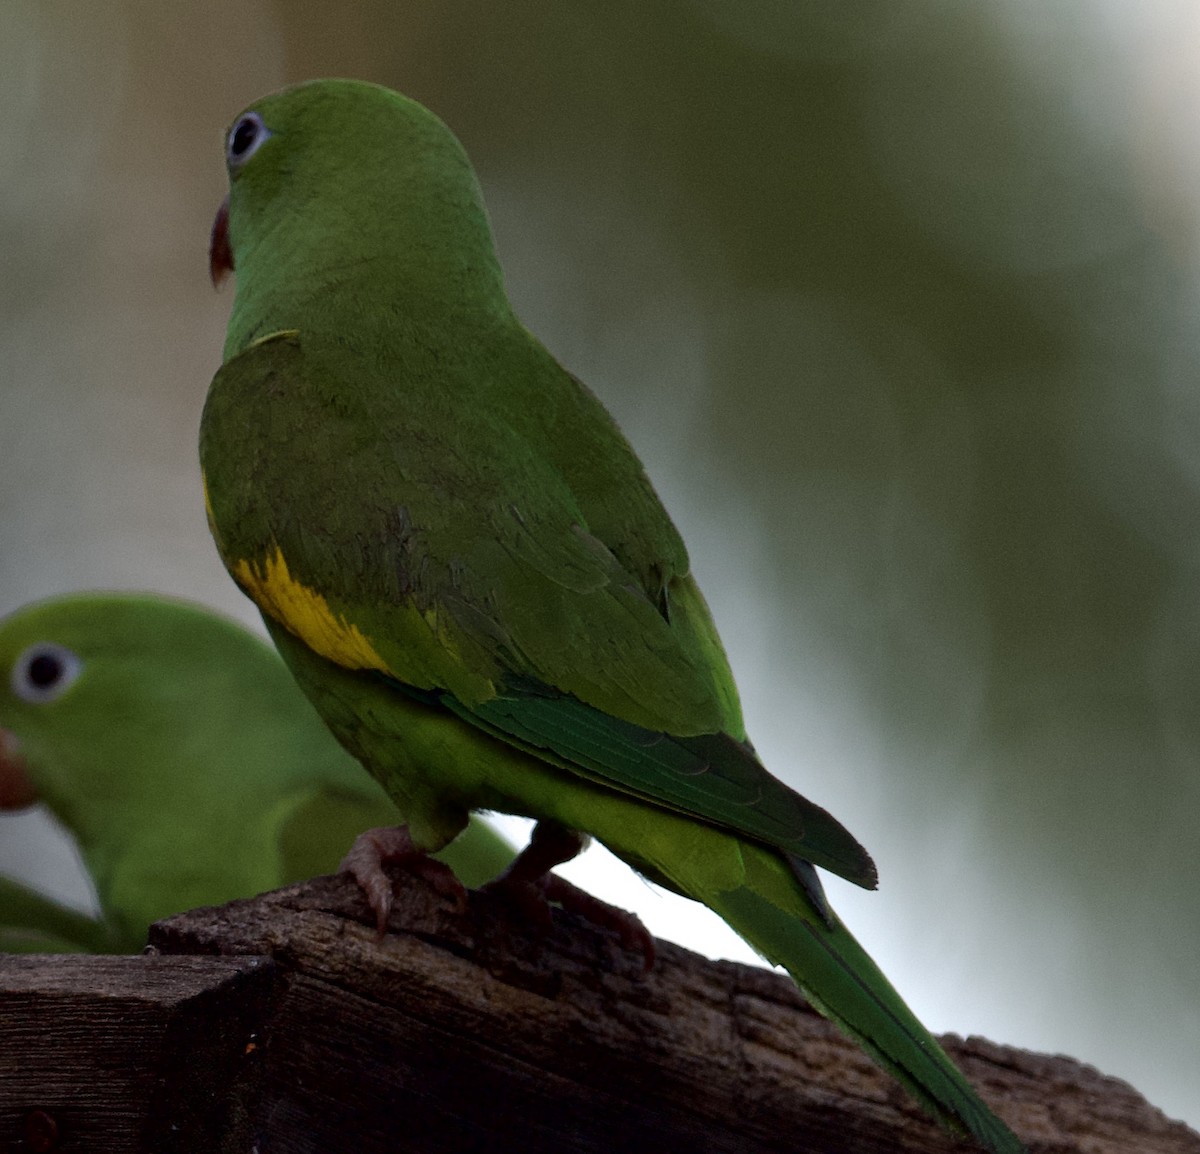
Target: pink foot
[[374, 847], [628, 927], [530, 886]]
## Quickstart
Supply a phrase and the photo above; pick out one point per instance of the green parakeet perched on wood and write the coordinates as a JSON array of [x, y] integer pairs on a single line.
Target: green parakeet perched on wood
[[177, 749], [466, 568]]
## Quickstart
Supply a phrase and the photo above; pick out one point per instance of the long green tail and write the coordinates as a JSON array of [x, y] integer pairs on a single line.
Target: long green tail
[[839, 978]]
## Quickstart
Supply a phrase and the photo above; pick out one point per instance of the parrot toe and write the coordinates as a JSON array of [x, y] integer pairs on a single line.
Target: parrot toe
[[529, 885], [634, 936], [375, 847], [531, 900]]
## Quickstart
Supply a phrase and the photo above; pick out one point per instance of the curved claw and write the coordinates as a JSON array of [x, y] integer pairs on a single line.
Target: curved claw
[[629, 927], [373, 848], [530, 886]]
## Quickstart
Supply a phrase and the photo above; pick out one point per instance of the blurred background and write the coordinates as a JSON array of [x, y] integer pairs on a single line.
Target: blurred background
[[899, 304]]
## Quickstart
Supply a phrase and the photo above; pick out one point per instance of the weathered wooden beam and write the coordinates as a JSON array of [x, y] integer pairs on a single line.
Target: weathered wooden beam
[[462, 1031], [146, 1055]]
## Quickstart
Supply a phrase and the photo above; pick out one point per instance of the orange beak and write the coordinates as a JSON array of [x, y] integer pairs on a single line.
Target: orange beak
[[16, 790], [220, 255]]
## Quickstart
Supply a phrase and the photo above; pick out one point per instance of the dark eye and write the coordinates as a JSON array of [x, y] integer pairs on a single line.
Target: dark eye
[[44, 671], [245, 138]]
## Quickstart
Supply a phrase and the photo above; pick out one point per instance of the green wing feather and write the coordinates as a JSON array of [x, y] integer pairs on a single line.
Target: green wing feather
[[709, 776], [475, 587]]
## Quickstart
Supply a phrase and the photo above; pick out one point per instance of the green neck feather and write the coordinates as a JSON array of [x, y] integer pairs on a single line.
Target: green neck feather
[[391, 191]]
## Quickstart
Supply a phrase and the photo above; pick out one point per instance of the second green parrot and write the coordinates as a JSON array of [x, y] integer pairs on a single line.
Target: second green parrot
[[466, 568], [176, 748]]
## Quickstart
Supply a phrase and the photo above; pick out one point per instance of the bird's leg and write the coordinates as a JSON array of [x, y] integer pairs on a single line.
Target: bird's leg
[[530, 886], [549, 845], [523, 884], [374, 847]]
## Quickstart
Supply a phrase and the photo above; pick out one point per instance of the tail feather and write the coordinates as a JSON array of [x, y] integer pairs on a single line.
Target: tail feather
[[842, 981]]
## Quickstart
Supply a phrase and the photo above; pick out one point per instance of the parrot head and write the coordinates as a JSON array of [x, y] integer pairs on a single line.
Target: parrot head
[[36, 670], [97, 692], [338, 175]]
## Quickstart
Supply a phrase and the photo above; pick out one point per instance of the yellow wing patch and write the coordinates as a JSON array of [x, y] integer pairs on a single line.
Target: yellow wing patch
[[278, 335], [306, 613]]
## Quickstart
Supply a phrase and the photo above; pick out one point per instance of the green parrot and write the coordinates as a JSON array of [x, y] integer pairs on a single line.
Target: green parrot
[[467, 570], [175, 746]]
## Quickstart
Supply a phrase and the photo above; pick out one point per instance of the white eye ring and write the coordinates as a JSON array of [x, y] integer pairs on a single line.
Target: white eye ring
[[44, 672], [245, 138]]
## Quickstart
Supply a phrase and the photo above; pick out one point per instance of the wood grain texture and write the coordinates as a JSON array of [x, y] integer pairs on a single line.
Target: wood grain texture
[[465, 1031], [137, 1054]]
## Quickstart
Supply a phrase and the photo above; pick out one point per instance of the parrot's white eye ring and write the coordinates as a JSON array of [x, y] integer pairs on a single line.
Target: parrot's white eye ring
[[246, 137], [44, 672]]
